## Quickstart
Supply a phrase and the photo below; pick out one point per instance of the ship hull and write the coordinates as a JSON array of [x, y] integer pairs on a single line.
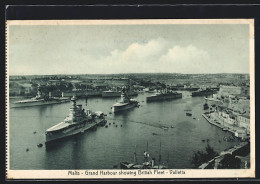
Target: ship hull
[[163, 97], [111, 94], [202, 93], [117, 94], [123, 107], [40, 103], [80, 128], [74, 93], [93, 93]]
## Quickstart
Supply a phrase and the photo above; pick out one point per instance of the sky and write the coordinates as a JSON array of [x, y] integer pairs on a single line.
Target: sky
[[108, 49]]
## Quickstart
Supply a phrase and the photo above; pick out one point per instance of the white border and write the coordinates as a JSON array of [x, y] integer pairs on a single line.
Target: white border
[[189, 173]]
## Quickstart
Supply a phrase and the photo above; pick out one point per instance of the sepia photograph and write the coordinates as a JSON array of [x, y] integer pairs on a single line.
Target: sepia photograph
[[157, 98]]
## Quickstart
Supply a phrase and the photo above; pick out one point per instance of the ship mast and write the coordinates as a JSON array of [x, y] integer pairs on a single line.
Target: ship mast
[[159, 156], [73, 108], [135, 159], [146, 153], [86, 101], [168, 160]]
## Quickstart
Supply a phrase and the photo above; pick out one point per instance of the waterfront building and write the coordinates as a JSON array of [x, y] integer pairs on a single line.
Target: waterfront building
[[241, 133], [16, 88], [228, 117], [229, 90], [239, 105], [234, 106], [244, 121]]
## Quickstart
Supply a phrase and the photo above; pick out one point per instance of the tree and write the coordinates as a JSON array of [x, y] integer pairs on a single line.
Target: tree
[[201, 157], [77, 86], [51, 88], [83, 86], [62, 87], [229, 162], [69, 86]]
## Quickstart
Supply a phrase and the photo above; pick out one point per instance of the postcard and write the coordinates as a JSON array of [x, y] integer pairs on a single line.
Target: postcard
[[108, 99]]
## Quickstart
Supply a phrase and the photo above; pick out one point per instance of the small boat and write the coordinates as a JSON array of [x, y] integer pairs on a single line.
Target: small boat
[[188, 114], [106, 126], [27, 149], [128, 165], [40, 145], [165, 128], [172, 126], [206, 106], [154, 134], [34, 132]]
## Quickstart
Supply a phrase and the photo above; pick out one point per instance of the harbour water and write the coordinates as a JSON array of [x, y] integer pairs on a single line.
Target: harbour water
[[105, 148]]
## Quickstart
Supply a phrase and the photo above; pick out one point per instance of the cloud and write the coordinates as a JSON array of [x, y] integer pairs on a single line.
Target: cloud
[[157, 55], [188, 59]]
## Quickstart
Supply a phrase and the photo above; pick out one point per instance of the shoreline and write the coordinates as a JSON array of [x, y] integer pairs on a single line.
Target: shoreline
[[224, 128]]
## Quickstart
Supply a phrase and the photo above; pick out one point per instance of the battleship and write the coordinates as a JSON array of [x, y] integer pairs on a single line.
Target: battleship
[[40, 100], [78, 121], [83, 93], [125, 102], [111, 93], [201, 92], [164, 95], [93, 93]]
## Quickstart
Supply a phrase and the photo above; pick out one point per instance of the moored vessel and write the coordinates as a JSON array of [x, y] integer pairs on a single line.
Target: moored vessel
[[125, 103], [188, 114], [164, 95], [205, 106], [111, 93], [201, 92], [78, 121], [40, 100]]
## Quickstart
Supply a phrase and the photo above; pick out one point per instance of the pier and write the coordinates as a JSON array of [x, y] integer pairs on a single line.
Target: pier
[[212, 122], [233, 130]]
